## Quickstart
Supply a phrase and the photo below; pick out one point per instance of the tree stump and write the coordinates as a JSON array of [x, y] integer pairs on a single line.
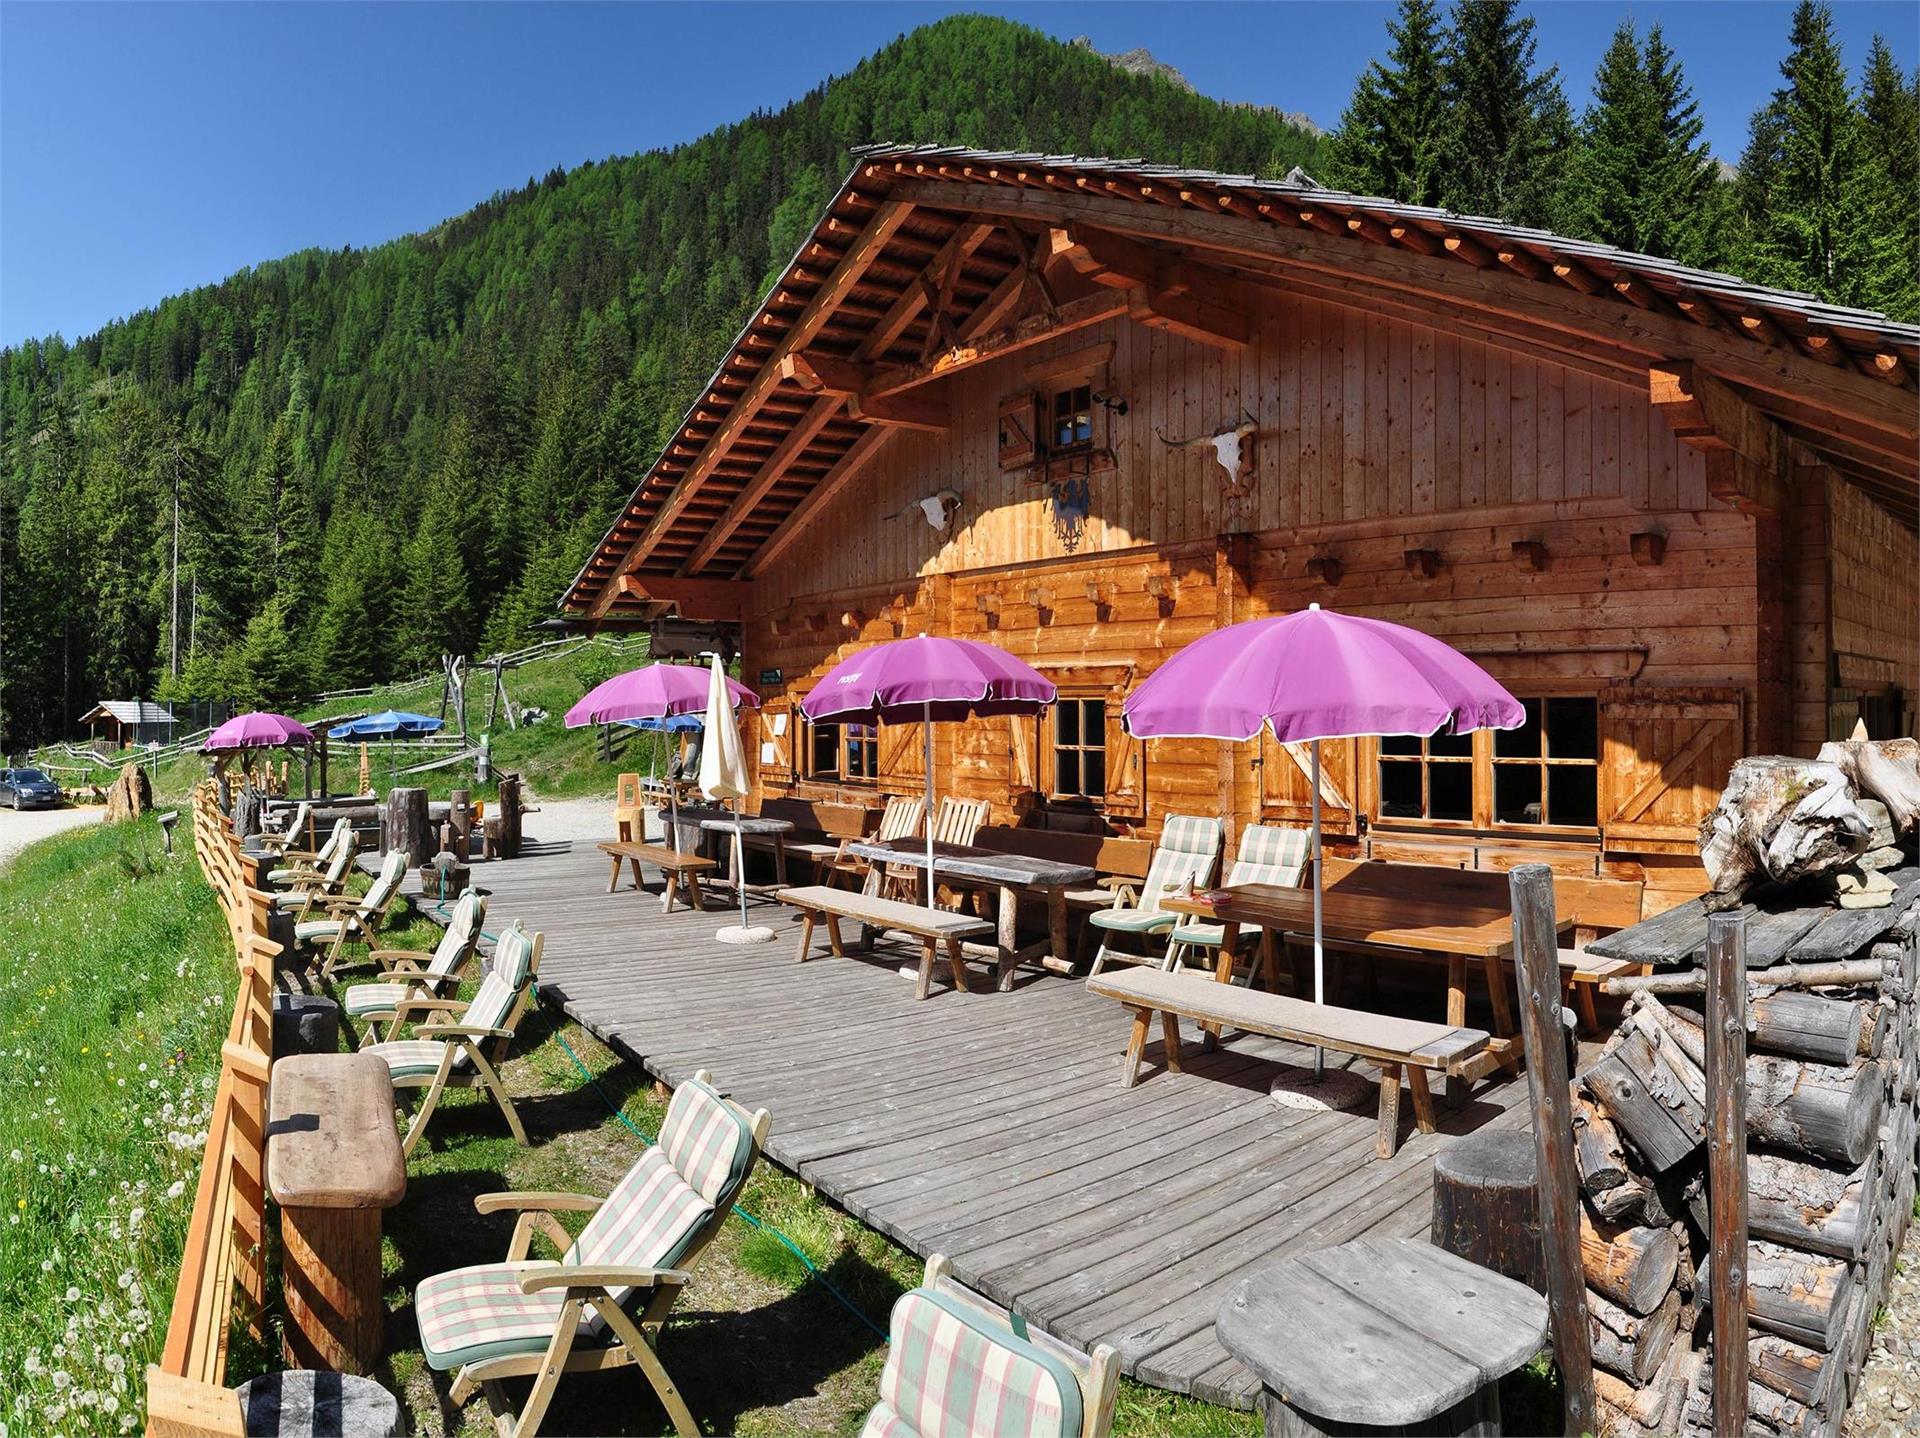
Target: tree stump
[[406, 828], [246, 812], [509, 843], [460, 821], [1486, 1206]]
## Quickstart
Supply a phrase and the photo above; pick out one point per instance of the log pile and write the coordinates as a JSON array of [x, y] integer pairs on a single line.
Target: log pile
[[1833, 1104]]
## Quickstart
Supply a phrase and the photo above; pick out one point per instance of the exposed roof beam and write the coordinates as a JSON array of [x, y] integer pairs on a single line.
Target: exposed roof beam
[[1169, 292], [1653, 335], [887, 218], [913, 298], [757, 489], [716, 599], [928, 413], [836, 479], [1749, 459], [1021, 334]]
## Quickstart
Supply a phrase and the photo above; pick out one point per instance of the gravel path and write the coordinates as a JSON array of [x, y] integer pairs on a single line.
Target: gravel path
[[1888, 1400], [17, 830]]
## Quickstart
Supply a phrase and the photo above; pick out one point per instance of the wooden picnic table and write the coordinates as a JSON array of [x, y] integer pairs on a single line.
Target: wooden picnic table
[[740, 826], [1462, 930], [1010, 875]]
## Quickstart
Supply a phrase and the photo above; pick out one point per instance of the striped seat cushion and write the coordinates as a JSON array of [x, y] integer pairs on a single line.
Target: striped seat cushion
[[707, 1143], [951, 1375], [1130, 921], [883, 1422], [373, 1000], [411, 1058], [286, 903], [1270, 854], [1206, 935], [646, 1221], [314, 930], [471, 1314]]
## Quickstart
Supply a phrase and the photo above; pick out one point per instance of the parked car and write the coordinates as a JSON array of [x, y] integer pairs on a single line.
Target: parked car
[[28, 789]]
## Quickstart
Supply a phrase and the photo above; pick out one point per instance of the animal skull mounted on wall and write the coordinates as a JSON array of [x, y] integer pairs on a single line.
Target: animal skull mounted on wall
[[937, 508], [1228, 446]]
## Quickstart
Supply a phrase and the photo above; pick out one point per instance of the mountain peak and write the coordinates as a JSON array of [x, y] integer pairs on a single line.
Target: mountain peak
[[1142, 61]]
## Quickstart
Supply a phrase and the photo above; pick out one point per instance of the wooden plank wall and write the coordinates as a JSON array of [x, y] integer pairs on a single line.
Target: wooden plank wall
[[1875, 622]]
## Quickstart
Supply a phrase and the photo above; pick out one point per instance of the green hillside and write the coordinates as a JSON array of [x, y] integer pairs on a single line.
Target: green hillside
[[383, 454]]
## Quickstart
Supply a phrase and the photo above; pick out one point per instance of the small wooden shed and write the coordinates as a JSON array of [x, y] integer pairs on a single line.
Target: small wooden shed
[[121, 723]]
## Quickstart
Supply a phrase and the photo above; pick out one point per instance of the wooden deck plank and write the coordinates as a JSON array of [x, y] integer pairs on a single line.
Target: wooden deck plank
[[991, 1127]]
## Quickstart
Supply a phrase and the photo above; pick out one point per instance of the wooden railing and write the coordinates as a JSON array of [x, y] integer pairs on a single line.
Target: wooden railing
[[222, 1275]]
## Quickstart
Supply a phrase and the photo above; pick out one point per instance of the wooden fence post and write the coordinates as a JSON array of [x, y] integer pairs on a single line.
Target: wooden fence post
[[1536, 949], [1726, 1066]]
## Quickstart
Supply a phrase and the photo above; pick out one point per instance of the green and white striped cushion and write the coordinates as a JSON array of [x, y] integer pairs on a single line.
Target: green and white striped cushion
[[1270, 854], [1130, 921], [470, 1314], [645, 1222], [883, 1422], [314, 930], [377, 1000], [412, 1058], [950, 1375], [1189, 848], [707, 1143]]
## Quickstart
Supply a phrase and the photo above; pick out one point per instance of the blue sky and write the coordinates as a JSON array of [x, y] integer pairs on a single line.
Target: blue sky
[[145, 149]]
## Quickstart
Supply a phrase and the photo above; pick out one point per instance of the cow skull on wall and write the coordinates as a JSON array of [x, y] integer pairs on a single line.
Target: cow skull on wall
[[1228, 446], [937, 509]]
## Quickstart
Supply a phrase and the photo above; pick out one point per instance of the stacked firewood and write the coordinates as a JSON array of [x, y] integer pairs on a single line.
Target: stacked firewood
[[1833, 1084]]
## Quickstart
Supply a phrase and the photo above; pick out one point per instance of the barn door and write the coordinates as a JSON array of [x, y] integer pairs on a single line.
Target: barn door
[[1665, 756], [776, 741], [1286, 789]]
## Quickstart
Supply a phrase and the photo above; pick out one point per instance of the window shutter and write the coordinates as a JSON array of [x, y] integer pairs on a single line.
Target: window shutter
[[1126, 766], [902, 756], [776, 741], [1019, 430], [1664, 758], [1286, 788], [1023, 754]]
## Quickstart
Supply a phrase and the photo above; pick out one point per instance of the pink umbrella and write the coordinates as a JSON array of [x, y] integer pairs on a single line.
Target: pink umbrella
[[656, 691], [921, 680], [257, 730], [1314, 675]]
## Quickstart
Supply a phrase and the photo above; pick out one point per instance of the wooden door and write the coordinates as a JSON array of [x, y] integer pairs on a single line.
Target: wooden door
[[1286, 791], [1664, 758]]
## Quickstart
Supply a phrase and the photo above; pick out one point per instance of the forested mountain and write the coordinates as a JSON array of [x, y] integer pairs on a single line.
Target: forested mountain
[[382, 454]]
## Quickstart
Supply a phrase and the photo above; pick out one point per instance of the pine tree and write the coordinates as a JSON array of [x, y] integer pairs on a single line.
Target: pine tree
[[444, 561], [1890, 107], [1392, 139], [1639, 177], [1814, 201], [1509, 125]]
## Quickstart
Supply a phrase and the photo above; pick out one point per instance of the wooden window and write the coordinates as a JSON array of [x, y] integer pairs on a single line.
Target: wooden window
[[843, 751], [1547, 772], [1070, 420], [1079, 732], [1429, 778]]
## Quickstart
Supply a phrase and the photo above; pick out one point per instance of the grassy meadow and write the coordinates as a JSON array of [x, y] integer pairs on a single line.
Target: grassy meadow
[[116, 985]]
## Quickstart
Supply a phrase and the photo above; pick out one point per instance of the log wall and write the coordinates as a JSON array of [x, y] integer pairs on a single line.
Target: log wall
[[1875, 620], [1833, 1091]]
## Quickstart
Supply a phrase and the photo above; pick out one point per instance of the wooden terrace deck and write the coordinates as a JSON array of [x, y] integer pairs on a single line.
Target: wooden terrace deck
[[990, 1127]]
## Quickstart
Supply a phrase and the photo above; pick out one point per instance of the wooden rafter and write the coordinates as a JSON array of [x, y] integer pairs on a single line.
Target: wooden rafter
[[887, 218], [757, 489], [1749, 459]]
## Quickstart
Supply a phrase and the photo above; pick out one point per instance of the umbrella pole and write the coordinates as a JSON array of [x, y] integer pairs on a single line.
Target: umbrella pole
[[1319, 994], [926, 730]]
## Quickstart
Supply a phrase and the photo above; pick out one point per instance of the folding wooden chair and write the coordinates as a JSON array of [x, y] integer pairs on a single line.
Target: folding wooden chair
[[604, 1303], [1268, 854], [1187, 854], [411, 974], [291, 835], [301, 865], [901, 819], [464, 1044], [343, 917], [305, 884]]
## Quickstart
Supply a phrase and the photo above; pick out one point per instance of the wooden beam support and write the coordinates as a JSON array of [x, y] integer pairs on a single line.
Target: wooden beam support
[[861, 253], [720, 600], [930, 414], [825, 374], [1748, 457], [836, 479], [1595, 318], [757, 488], [1465, 247], [1022, 334]]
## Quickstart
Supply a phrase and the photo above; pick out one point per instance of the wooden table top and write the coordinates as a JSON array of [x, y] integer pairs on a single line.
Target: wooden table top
[[1380, 1331], [964, 861], [744, 824], [1415, 921], [331, 1139]]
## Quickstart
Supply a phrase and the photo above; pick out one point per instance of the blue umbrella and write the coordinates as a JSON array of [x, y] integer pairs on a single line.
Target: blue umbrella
[[390, 723], [672, 724]]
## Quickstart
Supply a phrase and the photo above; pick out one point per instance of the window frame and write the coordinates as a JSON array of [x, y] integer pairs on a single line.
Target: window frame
[[844, 739], [1067, 387], [1051, 747], [1484, 819], [1543, 762]]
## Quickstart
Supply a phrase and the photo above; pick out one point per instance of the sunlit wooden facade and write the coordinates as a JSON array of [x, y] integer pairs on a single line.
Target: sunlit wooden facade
[[1676, 512]]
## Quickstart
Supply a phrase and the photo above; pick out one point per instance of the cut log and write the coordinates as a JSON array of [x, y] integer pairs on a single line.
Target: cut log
[[1802, 1296], [1820, 1109], [405, 827], [1596, 1148], [1630, 1344], [1886, 769], [1779, 819], [1844, 973], [1486, 1206], [1632, 1266], [1768, 1406], [1652, 1109], [1803, 1205], [1788, 1367], [1649, 1404], [1831, 1031]]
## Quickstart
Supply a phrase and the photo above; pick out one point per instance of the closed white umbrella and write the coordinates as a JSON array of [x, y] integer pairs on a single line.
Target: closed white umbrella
[[723, 776]]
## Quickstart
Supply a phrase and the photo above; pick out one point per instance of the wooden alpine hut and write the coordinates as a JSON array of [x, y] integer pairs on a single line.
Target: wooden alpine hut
[[1090, 410]]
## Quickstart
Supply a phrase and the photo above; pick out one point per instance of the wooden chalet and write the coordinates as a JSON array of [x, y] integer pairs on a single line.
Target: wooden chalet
[[1090, 410]]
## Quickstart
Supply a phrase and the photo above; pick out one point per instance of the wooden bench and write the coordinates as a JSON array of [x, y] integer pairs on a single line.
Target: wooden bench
[[932, 927], [1391, 1043], [673, 864], [1108, 855], [819, 829], [333, 1164]]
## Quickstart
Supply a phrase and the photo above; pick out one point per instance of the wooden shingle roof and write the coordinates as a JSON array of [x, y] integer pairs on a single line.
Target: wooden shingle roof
[[930, 259]]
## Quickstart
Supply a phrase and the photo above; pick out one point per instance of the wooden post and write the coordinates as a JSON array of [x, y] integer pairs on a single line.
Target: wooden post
[[406, 828], [460, 820], [1537, 964], [323, 764], [1726, 1044]]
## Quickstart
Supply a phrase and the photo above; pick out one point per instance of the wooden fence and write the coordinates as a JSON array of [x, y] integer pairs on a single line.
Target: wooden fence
[[222, 1275]]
